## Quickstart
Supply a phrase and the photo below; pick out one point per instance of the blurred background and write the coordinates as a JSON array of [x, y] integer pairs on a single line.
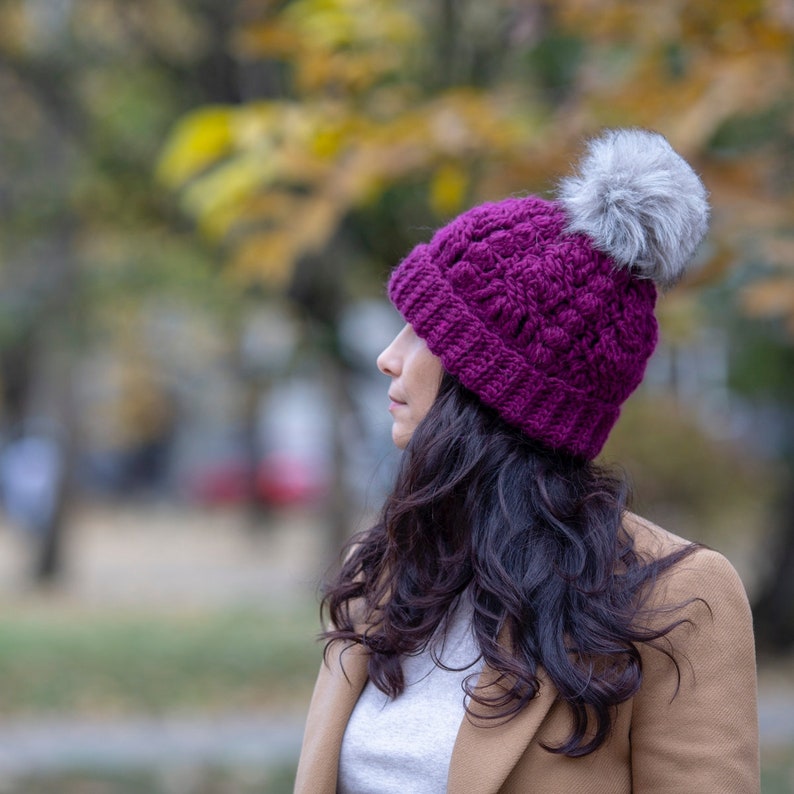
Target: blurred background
[[200, 201]]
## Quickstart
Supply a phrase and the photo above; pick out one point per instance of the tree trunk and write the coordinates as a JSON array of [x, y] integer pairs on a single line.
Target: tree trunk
[[774, 608], [49, 558], [340, 501]]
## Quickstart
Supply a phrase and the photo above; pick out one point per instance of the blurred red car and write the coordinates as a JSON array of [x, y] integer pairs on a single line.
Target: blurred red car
[[280, 480]]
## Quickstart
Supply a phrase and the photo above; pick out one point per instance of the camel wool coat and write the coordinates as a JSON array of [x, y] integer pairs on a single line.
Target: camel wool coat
[[699, 734]]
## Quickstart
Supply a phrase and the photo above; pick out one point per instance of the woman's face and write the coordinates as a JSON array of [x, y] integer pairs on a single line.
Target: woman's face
[[415, 377]]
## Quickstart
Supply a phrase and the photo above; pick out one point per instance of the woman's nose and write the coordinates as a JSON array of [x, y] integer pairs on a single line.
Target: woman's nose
[[389, 362]]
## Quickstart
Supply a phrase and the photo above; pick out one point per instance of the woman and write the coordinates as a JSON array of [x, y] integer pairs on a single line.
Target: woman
[[507, 626]]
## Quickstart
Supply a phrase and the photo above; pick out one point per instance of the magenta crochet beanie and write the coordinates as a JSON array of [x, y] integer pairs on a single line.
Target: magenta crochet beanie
[[545, 309]]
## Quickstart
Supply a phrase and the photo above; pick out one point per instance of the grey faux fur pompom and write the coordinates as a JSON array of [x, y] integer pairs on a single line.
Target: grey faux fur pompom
[[639, 202]]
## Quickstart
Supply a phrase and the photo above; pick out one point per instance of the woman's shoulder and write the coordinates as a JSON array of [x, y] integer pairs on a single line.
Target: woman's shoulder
[[701, 573], [650, 539], [697, 702]]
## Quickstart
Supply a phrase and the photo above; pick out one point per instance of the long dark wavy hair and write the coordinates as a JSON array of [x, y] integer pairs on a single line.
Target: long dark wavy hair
[[535, 536]]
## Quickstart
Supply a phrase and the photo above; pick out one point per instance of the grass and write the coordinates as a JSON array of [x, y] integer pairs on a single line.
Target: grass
[[208, 780], [76, 662], [120, 663], [777, 770]]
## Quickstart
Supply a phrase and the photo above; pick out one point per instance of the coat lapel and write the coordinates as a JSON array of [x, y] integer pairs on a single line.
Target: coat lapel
[[338, 687], [501, 742]]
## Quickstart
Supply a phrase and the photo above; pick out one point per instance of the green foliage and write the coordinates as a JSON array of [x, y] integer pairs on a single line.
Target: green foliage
[[762, 364], [777, 770], [89, 90], [744, 133], [130, 664], [554, 63], [679, 473]]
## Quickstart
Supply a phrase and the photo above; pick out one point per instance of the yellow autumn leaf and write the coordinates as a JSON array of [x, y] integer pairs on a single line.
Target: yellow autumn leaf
[[272, 208], [327, 142], [210, 197], [267, 258], [448, 189], [15, 34], [200, 139], [334, 24], [255, 121], [269, 39], [316, 223], [347, 44]]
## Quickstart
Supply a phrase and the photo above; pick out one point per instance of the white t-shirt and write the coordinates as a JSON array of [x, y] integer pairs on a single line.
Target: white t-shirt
[[405, 745]]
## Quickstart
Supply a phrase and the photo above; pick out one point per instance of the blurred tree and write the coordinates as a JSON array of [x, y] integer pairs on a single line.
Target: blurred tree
[[763, 373], [88, 89]]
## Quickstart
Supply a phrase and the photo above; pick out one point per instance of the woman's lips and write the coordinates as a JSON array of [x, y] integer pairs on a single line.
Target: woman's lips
[[394, 403]]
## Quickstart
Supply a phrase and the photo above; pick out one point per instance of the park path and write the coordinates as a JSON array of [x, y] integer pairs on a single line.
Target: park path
[[47, 746], [163, 556], [171, 556]]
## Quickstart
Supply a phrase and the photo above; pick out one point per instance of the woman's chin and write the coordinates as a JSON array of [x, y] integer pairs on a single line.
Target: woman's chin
[[400, 436]]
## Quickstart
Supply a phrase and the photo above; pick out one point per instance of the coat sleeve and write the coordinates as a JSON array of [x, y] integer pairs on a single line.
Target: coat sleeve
[[699, 732]]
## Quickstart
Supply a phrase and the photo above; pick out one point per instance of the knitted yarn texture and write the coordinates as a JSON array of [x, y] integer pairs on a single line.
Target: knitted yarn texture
[[531, 316]]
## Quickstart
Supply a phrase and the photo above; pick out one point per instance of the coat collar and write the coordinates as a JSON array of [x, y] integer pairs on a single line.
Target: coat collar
[[501, 741], [341, 680]]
